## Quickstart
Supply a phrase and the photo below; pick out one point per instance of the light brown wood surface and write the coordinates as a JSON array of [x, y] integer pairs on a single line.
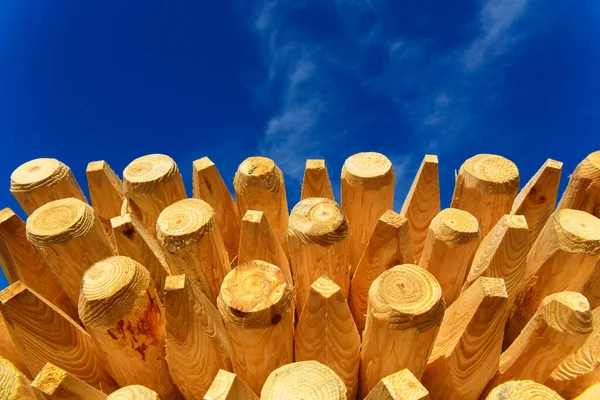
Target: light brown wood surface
[[522, 390], [592, 393], [134, 392], [57, 384], [316, 181], [583, 190], [106, 192], [14, 385], [8, 349], [401, 385], [591, 290], [227, 386]]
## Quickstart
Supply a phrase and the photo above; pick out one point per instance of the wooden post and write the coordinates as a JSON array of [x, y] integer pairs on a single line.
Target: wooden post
[[486, 186], [256, 303], [57, 384], [422, 203], [537, 199], [522, 390], [390, 245], [326, 333], [591, 290], [21, 262], [188, 234], [208, 185], [227, 386], [592, 393], [258, 242], [316, 181], [42, 333], [8, 349], [583, 191], [367, 186], [561, 259], [151, 183], [401, 385], [42, 180], [303, 380], [467, 350], [106, 192], [318, 245], [502, 254], [120, 309], [451, 242], [134, 392], [560, 326], [70, 238], [197, 345], [406, 306], [259, 186], [14, 385]]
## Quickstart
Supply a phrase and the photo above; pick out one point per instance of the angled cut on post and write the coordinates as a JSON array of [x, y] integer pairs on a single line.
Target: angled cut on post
[[57, 384], [422, 203], [42, 180], [106, 192], [197, 345], [390, 245], [208, 185], [401, 385], [134, 392], [583, 191], [227, 386], [316, 181], [14, 385], [522, 390]]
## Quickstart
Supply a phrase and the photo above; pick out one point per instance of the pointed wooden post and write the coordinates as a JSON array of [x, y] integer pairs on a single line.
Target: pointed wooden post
[[401, 385], [134, 392], [422, 203], [390, 245], [316, 181], [208, 185], [197, 345], [486, 186], [106, 192], [14, 385], [522, 390], [8, 349], [151, 183], [583, 191], [57, 384], [42, 180], [227, 386]]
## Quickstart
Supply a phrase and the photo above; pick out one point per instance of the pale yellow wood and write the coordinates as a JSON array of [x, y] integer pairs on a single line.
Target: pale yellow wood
[[422, 203], [227, 386], [57, 384], [451, 242], [562, 259], [537, 199], [367, 186], [591, 290], [42, 333], [42, 180], [583, 190], [188, 235], [401, 385], [316, 181], [256, 303], [303, 380], [318, 242], [197, 345], [106, 192], [522, 390], [406, 307], [208, 185], [14, 385], [327, 333], [134, 392], [21, 262], [592, 393], [486, 186], [151, 183], [390, 245], [259, 186], [258, 242], [70, 238], [120, 309], [467, 349], [8, 349]]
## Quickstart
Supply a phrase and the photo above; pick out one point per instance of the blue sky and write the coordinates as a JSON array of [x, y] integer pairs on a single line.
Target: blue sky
[[299, 79]]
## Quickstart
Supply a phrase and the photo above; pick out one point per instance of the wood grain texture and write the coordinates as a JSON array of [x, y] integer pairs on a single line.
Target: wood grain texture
[[227, 386], [591, 290], [14, 385], [8, 349], [57, 384], [106, 192], [134, 392], [583, 191], [522, 390], [592, 393], [401, 385], [316, 181]]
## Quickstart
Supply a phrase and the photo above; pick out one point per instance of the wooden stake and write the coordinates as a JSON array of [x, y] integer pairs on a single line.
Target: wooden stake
[[134, 392], [401, 385], [120, 309], [451, 242], [316, 181], [57, 384], [42, 180], [14, 385], [367, 185], [256, 302], [592, 393], [522, 390], [467, 350], [258, 242], [326, 333], [188, 234], [42, 333], [583, 191], [197, 345], [21, 262], [8, 349], [303, 380], [259, 186], [537, 199], [151, 183], [561, 259], [70, 238], [227, 386], [591, 290], [389, 246], [106, 192], [486, 186], [208, 185], [422, 203], [318, 245], [405, 306]]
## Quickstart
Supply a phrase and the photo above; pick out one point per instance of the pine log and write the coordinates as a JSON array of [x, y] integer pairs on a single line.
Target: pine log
[[592, 393], [401, 385], [57, 384], [134, 392], [106, 192], [303, 380], [8, 349], [522, 390], [14, 385], [316, 181], [227, 386], [583, 191]]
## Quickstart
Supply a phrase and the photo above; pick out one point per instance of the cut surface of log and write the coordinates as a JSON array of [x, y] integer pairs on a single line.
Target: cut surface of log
[[57, 384], [14, 385], [401, 385], [134, 392], [316, 181], [583, 191], [227, 386], [522, 390]]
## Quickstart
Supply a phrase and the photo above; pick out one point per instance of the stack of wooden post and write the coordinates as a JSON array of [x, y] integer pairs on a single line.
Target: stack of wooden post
[[144, 293]]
